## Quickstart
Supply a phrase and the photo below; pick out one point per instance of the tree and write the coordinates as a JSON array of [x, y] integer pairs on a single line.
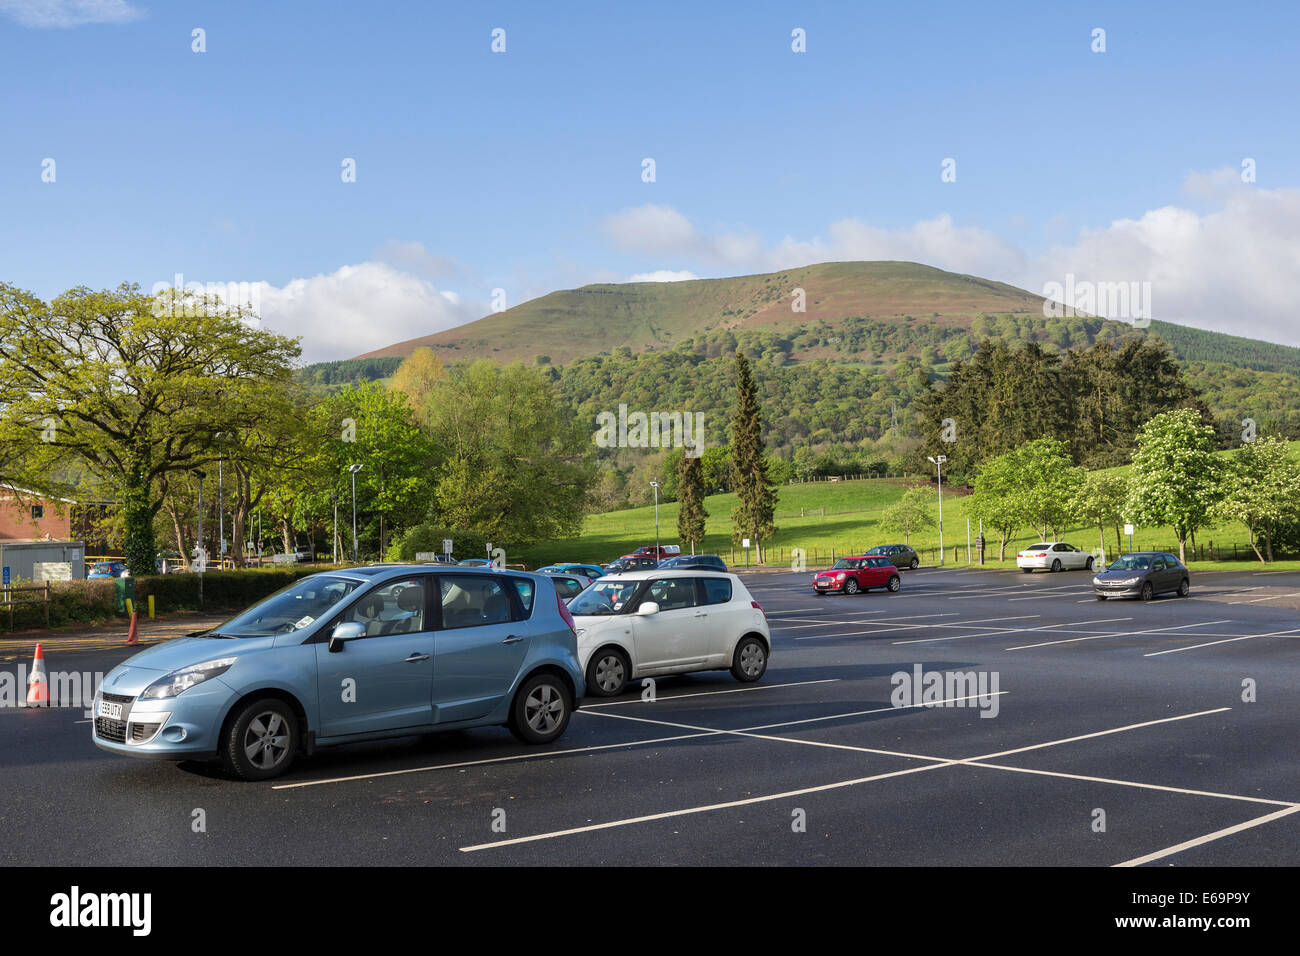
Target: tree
[[1099, 499], [997, 498], [1261, 489], [1175, 478], [910, 513], [515, 464], [691, 514], [136, 387], [753, 517]]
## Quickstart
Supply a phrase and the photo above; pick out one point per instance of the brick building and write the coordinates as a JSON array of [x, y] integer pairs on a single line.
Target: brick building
[[25, 515]]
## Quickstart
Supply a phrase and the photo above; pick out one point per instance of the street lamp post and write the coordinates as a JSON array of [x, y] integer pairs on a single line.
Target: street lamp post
[[354, 469], [655, 486], [938, 463]]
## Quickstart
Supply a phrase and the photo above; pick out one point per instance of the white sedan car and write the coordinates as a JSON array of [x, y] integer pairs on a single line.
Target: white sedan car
[[1053, 556], [656, 622]]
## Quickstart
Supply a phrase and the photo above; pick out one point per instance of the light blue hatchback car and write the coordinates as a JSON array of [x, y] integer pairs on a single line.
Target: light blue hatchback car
[[344, 656]]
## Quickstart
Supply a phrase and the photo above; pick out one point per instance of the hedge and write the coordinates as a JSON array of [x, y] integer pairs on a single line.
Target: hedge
[[94, 601]]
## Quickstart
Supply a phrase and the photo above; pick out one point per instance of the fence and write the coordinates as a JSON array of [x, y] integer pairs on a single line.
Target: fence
[[8, 600]]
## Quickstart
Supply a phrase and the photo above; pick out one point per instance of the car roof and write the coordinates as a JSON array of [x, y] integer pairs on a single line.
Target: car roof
[[382, 572], [646, 573]]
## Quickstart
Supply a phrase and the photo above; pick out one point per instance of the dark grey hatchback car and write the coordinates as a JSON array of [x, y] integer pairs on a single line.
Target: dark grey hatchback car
[[899, 555], [1143, 575]]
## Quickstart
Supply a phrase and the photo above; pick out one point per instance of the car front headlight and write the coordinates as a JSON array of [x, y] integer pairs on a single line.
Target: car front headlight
[[181, 680]]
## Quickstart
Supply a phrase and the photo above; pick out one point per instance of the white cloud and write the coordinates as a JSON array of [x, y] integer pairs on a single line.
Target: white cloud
[[69, 13], [663, 275], [651, 229], [411, 256], [359, 308]]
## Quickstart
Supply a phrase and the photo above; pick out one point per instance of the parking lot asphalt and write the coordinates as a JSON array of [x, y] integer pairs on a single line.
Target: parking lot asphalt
[[1089, 733]]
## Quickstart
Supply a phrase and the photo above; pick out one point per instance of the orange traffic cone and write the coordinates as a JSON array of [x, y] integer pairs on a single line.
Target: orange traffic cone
[[38, 686], [130, 637]]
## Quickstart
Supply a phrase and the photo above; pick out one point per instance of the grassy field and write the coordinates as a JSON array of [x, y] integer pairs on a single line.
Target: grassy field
[[850, 525]]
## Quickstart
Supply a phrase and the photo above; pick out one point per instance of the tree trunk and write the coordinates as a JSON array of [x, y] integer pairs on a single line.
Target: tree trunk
[[139, 546], [1182, 551], [286, 534], [1002, 549], [1254, 546]]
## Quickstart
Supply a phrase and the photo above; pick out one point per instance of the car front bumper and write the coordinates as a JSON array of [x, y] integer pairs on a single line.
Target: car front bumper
[[174, 728]]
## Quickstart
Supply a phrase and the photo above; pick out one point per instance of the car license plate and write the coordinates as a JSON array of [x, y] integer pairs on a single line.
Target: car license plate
[[109, 709]]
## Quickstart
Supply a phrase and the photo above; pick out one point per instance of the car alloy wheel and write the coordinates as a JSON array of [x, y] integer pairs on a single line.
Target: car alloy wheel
[[914, 565], [261, 741], [1148, 592], [851, 586], [894, 583], [750, 660], [1184, 587], [1056, 564], [607, 673], [541, 709]]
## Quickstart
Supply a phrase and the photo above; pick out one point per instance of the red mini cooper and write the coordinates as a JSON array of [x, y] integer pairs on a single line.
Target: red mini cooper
[[851, 575]]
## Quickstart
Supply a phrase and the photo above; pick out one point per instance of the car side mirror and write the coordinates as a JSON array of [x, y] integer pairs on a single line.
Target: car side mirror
[[648, 607], [349, 631]]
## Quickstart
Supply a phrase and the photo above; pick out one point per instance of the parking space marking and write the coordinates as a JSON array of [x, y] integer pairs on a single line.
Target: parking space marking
[[703, 809], [710, 693], [998, 631], [1097, 637], [1244, 637], [1275, 597], [933, 764], [1208, 838]]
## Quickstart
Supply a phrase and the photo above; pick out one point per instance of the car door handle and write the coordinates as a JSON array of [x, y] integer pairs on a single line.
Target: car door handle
[[416, 658], [512, 639]]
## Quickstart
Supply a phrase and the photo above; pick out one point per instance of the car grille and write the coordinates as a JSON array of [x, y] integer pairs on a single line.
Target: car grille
[[143, 732], [114, 730], [107, 727]]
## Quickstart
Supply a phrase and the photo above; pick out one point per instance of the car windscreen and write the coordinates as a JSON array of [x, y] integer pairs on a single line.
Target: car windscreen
[[291, 608], [844, 564], [1131, 562], [603, 598]]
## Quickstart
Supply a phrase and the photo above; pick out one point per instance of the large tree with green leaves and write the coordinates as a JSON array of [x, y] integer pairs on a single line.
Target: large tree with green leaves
[[691, 513], [1099, 499], [515, 466], [135, 387], [754, 515], [1175, 479], [912, 512], [1261, 489]]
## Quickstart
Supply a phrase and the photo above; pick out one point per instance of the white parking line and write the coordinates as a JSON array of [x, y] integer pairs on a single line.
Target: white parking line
[[1208, 838], [710, 693], [936, 764], [1275, 597], [1244, 637], [1097, 637]]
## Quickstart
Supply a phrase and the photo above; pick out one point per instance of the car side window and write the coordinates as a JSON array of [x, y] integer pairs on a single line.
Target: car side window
[[524, 590], [395, 608], [472, 600], [671, 594], [1158, 564], [716, 590], [567, 587]]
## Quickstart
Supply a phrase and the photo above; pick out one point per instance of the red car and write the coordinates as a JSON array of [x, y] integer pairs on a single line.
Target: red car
[[851, 575]]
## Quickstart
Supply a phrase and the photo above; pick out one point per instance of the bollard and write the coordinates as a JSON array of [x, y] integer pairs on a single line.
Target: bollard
[[130, 607], [151, 607]]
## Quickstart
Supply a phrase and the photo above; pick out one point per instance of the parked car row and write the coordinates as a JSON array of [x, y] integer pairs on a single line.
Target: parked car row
[[398, 650]]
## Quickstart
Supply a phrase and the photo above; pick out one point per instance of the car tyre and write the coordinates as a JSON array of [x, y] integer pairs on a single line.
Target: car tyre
[[894, 584], [541, 709], [1027, 570], [749, 662], [851, 586], [261, 741], [1148, 592], [1088, 566], [1101, 597], [915, 563], [1056, 564], [1184, 587], [608, 672]]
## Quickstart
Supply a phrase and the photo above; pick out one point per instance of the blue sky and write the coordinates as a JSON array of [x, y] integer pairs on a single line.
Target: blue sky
[[522, 170]]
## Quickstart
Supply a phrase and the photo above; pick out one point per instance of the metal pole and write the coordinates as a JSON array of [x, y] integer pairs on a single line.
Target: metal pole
[[200, 546], [939, 465], [221, 515], [354, 517], [655, 486], [968, 539]]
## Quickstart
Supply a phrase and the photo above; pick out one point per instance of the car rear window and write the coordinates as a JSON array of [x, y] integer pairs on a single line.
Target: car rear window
[[716, 590], [525, 590]]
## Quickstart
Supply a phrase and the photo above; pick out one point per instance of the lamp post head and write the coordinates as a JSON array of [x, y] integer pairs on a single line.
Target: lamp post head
[[354, 468], [939, 460]]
